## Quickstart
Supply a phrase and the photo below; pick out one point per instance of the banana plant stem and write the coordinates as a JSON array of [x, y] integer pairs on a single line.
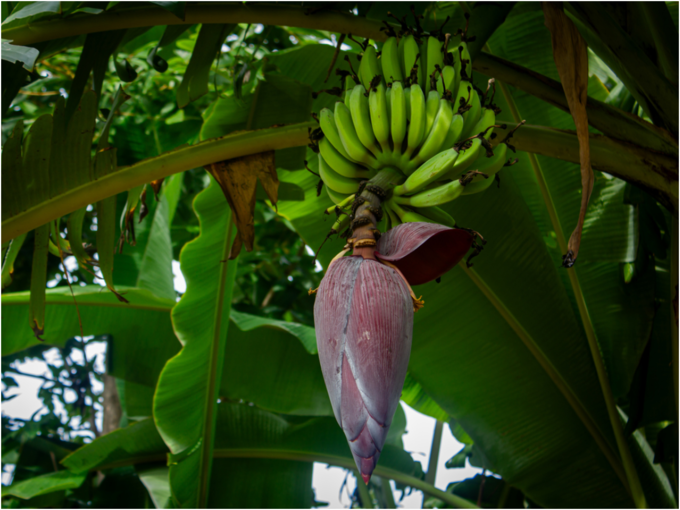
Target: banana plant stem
[[387, 491], [634, 487], [211, 12], [366, 500], [434, 452], [145, 171]]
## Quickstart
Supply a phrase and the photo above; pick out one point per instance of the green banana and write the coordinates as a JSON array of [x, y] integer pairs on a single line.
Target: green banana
[[464, 97], [457, 66], [438, 215], [407, 98], [455, 131], [449, 74], [434, 169], [467, 157], [391, 64], [341, 165], [489, 166], [434, 140], [487, 120], [407, 216], [398, 116], [361, 116], [464, 54], [478, 187], [435, 57], [433, 197], [431, 108], [339, 199], [369, 67], [335, 181], [391, 215], [380, 117], [330, 131], [349, 87], [471, 117], [416, 130], [411, 52], [350, 140]]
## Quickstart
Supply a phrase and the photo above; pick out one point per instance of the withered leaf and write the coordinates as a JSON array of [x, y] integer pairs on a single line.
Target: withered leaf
[[571, 57], [238, 180], [156, 186]]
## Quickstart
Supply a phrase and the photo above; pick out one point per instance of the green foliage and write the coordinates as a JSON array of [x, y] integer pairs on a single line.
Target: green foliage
[[221, 399]]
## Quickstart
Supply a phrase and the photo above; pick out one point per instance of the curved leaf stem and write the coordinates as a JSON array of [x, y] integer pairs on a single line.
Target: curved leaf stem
[[304, 456], [212, 12], [631, 480], [168, 163], [552, 372]]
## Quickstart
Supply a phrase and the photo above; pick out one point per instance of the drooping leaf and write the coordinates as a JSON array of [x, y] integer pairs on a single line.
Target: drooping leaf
[[195, 81], [238, 179], [571, 57], [44, 484], [187, 428], [23, 54], [32, 9]]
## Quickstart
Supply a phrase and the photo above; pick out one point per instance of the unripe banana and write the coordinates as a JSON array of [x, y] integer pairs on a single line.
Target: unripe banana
[[456, 70], [361, 116], [455, 130], [411, 52], [391, 215], [478, 187], [350, 140], [407, 98], [437, 215], [337, 162], [330, 131], [339, 199], [335, 181], [416, 130], [463, 98], [487, 120], [464, 55], [434, 140], [471, 117], [434, 169], [349, 87], [398, 116], [433, 197], [467, 157], [422, 64], [435, 57], [431, 109], [489, 166], [391, 64], [369, 67], [449, 80], [380, 117], [407, 216]]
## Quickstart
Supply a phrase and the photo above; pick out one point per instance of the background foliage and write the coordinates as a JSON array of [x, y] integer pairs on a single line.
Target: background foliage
[[501, 350]]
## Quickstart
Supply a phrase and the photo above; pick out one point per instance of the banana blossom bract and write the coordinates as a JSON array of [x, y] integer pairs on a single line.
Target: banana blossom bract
[[364, 324]]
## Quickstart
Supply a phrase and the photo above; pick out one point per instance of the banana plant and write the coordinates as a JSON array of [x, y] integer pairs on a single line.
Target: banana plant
[[446, 128]]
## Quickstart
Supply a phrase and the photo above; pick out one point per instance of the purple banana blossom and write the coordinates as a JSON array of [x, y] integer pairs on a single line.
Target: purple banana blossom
[[364, 324]]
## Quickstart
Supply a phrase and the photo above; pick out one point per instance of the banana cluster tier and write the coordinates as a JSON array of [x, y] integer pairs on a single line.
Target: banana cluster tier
[[412, 108]]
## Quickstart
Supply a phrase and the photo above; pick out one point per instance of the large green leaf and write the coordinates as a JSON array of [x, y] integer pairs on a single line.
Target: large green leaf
[[187, 391], [274, 452], [44, 484], [131, 326]]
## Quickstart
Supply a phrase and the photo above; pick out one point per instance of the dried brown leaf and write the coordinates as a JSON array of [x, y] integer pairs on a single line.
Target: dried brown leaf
[[571, 57], [238, 180]]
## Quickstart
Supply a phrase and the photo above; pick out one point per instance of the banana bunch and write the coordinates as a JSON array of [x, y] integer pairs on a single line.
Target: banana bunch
[[411, 107]]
